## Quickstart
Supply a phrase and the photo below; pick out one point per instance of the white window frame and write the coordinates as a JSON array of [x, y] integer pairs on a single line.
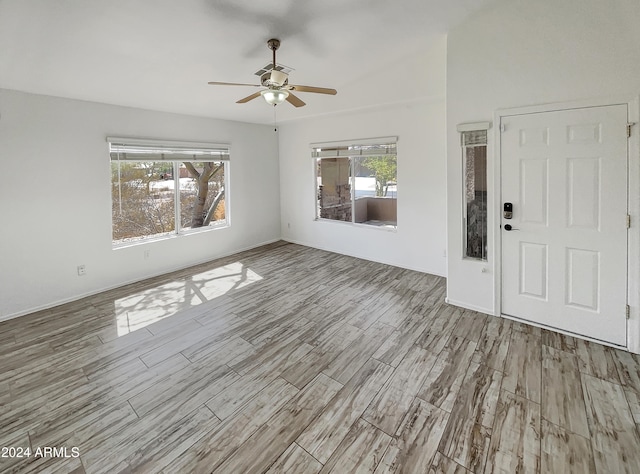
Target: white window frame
[[351, 149], [468, 130], [133, 150]]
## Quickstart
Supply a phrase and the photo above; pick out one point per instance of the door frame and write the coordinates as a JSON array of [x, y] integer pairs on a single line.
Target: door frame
[[633, 205]]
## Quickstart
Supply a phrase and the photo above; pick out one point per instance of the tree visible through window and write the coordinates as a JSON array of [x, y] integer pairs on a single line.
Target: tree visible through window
[[152, 199], [385, 171]]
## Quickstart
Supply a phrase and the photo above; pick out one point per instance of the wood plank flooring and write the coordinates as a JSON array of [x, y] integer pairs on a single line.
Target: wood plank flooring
[[286, 359]]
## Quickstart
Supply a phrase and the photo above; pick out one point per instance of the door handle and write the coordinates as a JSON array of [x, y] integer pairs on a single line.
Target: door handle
[[509, 227]]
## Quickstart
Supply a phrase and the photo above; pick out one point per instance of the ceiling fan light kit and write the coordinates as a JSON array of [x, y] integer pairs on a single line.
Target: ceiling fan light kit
[[277, 83], [275, 96]]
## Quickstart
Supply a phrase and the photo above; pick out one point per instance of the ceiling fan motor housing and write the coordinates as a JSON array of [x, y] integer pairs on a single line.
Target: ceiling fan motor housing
[[274, 78]]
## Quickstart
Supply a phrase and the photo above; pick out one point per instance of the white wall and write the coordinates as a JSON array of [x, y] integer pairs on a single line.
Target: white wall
[[521, 53], [55, 197], [420, 240]]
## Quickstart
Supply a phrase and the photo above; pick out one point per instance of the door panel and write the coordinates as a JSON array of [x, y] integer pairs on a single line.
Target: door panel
[[583, 279], [564, 264], [533, 270], [583, 193], [534, 190]]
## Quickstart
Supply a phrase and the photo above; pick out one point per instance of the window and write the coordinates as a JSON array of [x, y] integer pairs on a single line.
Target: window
[[474, 147], [160, 189], [357, 183]]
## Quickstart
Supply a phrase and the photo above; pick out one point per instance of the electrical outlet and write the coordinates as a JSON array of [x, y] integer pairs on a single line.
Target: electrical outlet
[[82, 270], [146, 254]]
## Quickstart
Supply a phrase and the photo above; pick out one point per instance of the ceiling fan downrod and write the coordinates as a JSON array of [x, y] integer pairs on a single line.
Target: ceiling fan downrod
[[273, 45]]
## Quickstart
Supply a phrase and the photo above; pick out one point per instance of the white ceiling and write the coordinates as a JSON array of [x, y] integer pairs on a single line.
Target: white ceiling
[[159, 54]]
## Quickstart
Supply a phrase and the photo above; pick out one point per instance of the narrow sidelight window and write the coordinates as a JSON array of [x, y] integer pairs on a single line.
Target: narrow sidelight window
[[474, 153]]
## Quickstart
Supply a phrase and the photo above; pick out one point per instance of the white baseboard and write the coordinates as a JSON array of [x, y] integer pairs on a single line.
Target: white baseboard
[[355, 255], [470, 306], [77, 297]]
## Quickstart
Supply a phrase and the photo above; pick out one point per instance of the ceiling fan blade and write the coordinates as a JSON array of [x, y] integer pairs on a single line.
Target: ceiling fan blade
[[295, 101], [248, 98], [318, 90], [231, 84]]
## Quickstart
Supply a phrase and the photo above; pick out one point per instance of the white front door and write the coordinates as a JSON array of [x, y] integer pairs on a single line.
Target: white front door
[[564, 261]]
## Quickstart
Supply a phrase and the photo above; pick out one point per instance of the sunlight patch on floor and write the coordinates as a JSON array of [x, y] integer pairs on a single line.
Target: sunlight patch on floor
[[141, 309]]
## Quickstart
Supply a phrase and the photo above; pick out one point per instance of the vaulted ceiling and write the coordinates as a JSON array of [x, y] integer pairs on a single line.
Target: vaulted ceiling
[[159, 54]]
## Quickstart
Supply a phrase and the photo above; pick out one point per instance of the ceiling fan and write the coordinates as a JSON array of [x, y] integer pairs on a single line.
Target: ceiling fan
[[276, 81]]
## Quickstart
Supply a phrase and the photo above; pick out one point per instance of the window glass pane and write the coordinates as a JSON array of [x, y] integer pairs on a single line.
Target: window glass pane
[[475, 171], [476, 137], [202, 194], [143, 202], [376, 188], [334, 189]]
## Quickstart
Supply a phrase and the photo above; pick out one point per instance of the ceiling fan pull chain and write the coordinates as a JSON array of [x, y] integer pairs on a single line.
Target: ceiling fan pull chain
[[275, 128]]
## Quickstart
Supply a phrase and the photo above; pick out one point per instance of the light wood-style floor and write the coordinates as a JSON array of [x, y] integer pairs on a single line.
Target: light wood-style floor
[[294, 360]]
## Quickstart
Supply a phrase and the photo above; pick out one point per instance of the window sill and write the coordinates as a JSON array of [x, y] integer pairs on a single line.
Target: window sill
[[359, 225], [147, 240]]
